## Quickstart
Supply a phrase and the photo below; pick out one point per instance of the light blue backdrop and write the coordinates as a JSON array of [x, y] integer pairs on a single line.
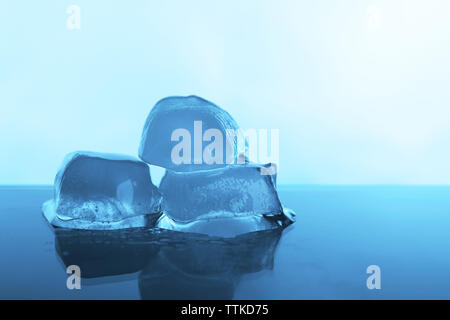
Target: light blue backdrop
[[359, 89]]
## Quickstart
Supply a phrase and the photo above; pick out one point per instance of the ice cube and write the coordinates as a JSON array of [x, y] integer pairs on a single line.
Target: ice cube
[[189, 134], [102, 191], [221, 202]]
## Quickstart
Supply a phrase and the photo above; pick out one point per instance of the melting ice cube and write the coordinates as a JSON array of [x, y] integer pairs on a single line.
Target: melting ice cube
[[222, 202], [190, 123], [102, 191]]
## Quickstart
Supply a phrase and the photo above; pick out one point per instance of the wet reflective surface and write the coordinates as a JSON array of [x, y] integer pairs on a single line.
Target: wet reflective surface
[[172, 265], [339, 232]]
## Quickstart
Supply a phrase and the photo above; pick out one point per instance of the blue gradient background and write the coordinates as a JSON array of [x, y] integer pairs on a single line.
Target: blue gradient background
[[354, 104]]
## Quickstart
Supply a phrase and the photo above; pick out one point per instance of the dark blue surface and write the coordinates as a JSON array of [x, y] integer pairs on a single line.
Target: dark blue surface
[[340, 231]]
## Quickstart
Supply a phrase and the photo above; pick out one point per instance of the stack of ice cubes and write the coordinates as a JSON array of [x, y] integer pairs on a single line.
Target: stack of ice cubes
[[214, 191]]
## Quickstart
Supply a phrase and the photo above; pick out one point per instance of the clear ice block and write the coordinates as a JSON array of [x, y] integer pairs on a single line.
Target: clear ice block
[[195, 117], [222, 202], [103, 191]]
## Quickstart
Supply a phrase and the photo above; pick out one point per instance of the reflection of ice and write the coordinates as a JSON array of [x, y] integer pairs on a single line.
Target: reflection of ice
[[222, 202], [102, 191], [175, 113], [101, 253], [174, 265], [206, 268]]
